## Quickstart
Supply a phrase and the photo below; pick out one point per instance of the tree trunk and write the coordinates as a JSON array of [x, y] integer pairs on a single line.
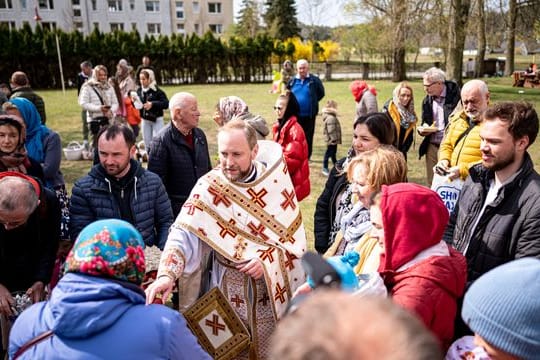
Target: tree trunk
[[481, 40], [511, 38], [459, 12], [399, 24]]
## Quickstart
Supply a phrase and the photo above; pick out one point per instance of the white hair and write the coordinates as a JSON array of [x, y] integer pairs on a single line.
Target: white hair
[[178, 100], [435, 75]]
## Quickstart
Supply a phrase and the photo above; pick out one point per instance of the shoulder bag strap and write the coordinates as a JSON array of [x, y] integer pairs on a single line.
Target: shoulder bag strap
[[99, 96], [32, 342], [463, 134]]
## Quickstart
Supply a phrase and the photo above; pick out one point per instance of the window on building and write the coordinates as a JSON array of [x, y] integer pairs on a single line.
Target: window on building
[[216, 28], [24, 4], [94, 5], [76, 12], [115, 5], [180, 29], [51, 25], [117, 26], [132, 4], [46, 4], [214, 8], [76, 5], [154, 29], [179, 9], [78, 25], [6, 4], [152, 6], [133, 26], [7, 25], [196, 7], [196, 28], [96, 26]]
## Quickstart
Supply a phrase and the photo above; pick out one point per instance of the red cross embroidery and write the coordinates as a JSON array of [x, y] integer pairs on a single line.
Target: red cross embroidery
[[215, 325], [267, 254], [280, 294], [290, 258], [202, 232], [257, 197], [191, 206], [226, 230], [289, 200], [219, 197], [258, 230], [265, 299], [237, 300], [287, 238]]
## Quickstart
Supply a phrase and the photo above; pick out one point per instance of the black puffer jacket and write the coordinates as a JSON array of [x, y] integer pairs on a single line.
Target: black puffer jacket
[[325, 210], [177, 164], [509, 227], [451, 100], [27, 253], [92, 199]]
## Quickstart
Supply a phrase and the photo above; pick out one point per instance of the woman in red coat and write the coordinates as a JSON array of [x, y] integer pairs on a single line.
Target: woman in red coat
[[421, 272], [289, 134]]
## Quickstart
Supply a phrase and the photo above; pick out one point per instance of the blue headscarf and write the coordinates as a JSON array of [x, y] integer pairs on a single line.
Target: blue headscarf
[[35, 131]]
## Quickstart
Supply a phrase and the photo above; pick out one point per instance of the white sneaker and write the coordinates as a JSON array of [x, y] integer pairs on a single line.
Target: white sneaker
[[325, 172]]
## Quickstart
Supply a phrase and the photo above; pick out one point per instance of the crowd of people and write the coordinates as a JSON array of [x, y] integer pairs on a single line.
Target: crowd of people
[[427, 281]]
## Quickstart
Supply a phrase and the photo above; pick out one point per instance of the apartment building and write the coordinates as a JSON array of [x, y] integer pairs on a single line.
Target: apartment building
[[151, 17]]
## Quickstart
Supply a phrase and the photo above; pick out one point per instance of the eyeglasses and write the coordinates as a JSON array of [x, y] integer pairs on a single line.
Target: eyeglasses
[[427, 86], [277, 108]]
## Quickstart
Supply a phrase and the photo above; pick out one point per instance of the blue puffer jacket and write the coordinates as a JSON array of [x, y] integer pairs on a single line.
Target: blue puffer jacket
[[93, 200], [95, 318]]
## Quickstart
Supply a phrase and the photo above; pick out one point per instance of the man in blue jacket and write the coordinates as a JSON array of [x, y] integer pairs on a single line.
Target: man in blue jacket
[[308, 90], [118, 187]]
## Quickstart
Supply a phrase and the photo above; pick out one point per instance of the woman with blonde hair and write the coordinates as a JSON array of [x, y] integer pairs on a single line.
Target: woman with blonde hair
[[367, 173], [401, 110]]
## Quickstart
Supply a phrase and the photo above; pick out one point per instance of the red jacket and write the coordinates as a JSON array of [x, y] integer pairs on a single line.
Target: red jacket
[[422, 273], [295, 150]]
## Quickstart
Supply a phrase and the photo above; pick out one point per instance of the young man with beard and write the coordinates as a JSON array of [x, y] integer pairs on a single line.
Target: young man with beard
[[245, 213], [497, 216], [118, 187]]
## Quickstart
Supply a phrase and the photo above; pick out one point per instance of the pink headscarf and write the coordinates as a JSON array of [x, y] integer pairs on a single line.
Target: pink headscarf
[[231, 106]]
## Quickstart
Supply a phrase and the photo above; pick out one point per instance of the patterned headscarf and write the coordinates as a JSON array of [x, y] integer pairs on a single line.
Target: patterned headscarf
[[231, 106], [110, 249], [35, 130], [14, 160], [408, 116]]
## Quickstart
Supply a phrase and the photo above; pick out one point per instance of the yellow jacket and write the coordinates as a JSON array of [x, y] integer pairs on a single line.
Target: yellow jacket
[[467, 152]]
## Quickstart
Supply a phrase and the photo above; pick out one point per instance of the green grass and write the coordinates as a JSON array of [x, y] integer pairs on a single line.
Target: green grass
[[63, 115]]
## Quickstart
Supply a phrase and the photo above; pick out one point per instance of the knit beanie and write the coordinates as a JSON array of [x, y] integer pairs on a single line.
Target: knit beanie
[[110, 249], [503, 307]]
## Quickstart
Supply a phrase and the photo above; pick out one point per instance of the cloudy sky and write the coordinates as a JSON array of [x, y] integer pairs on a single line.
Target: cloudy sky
[[323, 12]]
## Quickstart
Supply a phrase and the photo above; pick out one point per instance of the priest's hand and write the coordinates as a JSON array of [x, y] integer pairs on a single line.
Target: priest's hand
[[162, 286], [36, 292], [253, 268], [6, 301], [302, 290]]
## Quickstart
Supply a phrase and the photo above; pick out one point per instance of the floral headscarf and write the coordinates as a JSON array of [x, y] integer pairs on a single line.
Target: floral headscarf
[[94, 80], [152, 84], [110, 249], [35, 130], [231, 106]]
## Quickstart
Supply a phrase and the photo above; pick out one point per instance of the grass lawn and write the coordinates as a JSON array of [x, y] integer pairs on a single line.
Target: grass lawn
[[63, 115]]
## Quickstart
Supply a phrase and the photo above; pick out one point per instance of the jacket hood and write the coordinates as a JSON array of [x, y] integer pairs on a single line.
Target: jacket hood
[[414, 219], [81, 305]]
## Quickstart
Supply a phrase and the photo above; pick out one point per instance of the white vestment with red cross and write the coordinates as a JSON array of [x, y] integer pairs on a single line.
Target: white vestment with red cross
[[242, 221]]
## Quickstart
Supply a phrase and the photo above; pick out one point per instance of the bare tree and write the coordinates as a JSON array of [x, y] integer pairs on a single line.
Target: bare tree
[[481, 38], [511, 37], [459, 12]]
